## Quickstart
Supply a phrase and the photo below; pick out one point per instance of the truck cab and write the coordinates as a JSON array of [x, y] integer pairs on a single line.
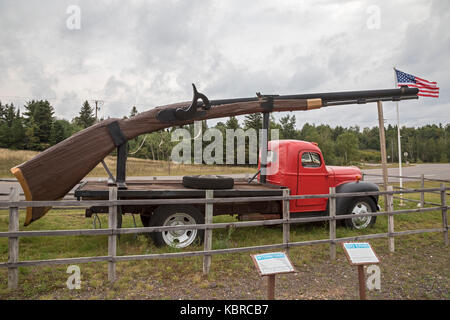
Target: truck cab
[[300, 166]]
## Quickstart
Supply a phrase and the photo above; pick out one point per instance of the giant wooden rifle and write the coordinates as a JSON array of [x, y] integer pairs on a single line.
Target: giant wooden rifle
[[51, 174]]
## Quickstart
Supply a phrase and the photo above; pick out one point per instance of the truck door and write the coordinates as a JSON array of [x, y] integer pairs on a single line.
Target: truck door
[[312, 179]]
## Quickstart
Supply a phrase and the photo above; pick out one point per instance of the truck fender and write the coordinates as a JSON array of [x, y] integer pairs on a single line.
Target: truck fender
[[349, 187]]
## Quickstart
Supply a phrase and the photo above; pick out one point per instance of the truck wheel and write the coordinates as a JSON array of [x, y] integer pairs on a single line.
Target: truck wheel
[[208, 182], [170, 215], [358, 206]]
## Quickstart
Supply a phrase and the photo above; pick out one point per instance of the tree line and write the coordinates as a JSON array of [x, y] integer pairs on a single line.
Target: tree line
[[37, 128]]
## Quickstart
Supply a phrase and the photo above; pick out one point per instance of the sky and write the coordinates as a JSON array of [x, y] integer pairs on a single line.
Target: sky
[[147, 53]]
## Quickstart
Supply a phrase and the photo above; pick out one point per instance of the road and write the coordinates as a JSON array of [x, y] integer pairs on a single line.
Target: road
[[439, 171], [431, 171]]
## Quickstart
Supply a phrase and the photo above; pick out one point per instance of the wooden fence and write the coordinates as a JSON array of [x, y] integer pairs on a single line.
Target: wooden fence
[[420, 178], [112, 231]]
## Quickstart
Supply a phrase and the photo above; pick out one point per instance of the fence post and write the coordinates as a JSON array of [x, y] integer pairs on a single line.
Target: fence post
[[332, 209], [444, 213], [208, 232], [422, 194], [13, 272], [390, 207], [112, 239], [286, 217]]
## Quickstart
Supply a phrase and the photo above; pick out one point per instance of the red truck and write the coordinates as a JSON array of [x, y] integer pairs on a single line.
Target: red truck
[[300, 167]]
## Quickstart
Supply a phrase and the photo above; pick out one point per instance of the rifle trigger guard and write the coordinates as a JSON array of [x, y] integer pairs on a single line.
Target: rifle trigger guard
[[186, 113]]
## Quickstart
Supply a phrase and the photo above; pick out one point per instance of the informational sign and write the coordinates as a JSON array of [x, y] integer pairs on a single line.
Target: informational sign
[[272, 263], [360, 253]]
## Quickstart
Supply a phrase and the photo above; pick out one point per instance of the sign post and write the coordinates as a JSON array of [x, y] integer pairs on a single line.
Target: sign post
[[271, 264], [360, 254]]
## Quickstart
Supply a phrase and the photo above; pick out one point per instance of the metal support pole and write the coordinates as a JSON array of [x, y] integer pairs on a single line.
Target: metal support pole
[[399, 142], [121, 168], [264, 146], [111, 179]]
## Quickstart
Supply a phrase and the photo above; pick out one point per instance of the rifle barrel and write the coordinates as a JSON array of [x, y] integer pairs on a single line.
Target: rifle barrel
[[337, 98]]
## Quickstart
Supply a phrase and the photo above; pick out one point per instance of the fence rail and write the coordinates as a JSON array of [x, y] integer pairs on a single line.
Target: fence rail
[[13, 234], [422, 179]]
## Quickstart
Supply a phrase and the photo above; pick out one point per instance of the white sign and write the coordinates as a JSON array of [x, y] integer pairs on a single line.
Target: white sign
[[360, 253], [272, 263]]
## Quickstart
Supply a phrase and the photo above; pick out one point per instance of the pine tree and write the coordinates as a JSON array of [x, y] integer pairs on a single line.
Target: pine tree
[[86, 116], [57, 133], [232, 123], [38, 122], [17, 132], [288, 127], [253, 121]]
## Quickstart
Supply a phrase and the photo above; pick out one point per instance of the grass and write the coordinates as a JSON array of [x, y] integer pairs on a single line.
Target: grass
[[11, 158], [135, 166], [419, 268]]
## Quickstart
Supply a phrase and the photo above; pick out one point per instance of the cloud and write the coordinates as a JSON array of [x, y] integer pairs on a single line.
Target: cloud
[[147, 53]]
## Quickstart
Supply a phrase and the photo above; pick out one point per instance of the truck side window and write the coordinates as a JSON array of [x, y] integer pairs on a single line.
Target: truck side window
[[311, 160]]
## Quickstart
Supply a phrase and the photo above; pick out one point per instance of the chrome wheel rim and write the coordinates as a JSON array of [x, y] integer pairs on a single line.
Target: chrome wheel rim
[[361, 222], [179, 238]]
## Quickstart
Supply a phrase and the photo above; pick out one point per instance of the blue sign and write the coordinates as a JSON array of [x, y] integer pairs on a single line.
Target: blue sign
[[278, 255], [357, 246]]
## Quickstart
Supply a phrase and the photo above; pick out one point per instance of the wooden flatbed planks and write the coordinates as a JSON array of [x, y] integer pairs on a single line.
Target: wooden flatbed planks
[[172, 189]]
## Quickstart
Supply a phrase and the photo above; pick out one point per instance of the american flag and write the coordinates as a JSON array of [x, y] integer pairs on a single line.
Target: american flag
[[426, 88]]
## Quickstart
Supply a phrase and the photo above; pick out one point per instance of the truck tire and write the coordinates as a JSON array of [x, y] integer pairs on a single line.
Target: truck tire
[[208, 182], [173, 215], [357, 206]]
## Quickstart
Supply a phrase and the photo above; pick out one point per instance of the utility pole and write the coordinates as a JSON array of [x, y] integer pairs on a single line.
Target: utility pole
[[98, 103]]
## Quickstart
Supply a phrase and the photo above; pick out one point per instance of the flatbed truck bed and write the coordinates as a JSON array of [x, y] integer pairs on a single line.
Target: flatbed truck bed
[[174, 189]]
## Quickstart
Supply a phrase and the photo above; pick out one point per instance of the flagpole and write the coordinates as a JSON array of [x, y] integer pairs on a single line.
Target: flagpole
[[399, 143]]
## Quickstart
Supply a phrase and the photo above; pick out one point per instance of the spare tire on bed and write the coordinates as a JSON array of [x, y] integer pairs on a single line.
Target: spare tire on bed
[[208, 182]]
